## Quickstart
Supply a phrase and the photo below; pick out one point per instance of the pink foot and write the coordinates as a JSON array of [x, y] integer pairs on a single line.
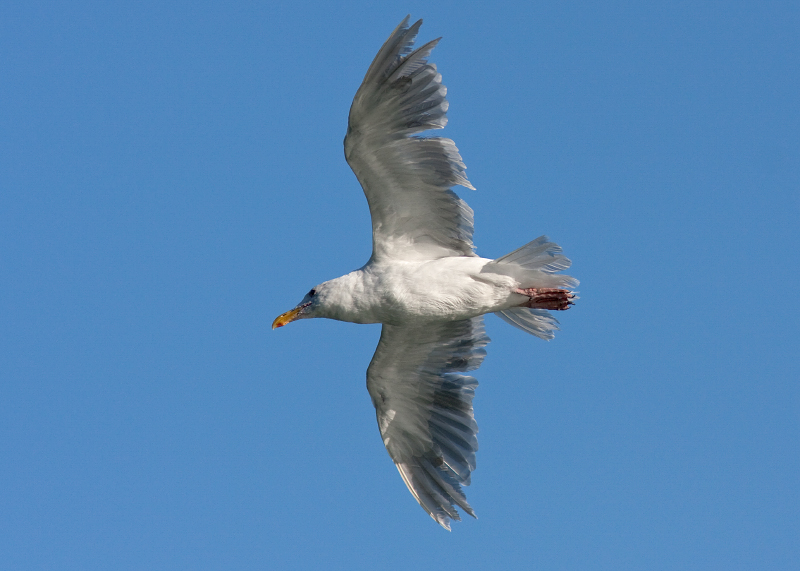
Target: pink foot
[[546, 298]]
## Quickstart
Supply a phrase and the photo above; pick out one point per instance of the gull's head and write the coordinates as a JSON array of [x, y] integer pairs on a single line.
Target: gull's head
[[304, 309]]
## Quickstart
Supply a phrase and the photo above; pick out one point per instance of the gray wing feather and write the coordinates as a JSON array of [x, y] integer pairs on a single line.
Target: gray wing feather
[[407, 179], [424, 408]]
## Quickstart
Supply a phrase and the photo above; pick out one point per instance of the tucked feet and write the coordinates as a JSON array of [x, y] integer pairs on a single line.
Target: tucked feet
[[546, 298]]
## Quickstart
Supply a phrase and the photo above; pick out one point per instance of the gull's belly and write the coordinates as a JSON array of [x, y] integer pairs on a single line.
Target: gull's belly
[[446, 289]]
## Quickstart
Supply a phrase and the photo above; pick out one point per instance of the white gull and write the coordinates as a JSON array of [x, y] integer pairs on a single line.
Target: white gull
[[424, 282]]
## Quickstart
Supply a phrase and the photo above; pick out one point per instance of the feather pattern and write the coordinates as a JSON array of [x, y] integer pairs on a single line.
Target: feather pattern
[[424, 408], [407, 179]]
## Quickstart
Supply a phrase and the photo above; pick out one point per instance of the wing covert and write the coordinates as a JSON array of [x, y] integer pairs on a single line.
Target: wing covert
[[406, 178], [424, 410]]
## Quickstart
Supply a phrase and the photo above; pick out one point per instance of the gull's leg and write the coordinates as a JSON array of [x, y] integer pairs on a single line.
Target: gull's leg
[[546, 298]]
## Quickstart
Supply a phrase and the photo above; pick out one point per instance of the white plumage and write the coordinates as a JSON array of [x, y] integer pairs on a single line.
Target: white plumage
[[424, 282]]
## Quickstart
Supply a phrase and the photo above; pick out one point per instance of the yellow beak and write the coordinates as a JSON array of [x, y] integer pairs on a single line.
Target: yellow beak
[[287, 317]]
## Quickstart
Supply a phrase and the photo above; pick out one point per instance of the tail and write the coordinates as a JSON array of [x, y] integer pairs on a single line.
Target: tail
[[534, 265]]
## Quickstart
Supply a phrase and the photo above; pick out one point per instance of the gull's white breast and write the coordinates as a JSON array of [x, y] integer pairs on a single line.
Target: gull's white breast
[[397, 292]]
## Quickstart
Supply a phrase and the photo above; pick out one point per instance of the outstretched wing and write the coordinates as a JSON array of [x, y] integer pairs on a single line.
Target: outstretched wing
[[407, 179], [424, 408]]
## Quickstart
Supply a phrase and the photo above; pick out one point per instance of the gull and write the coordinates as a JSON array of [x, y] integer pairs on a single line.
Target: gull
[[424, 283]]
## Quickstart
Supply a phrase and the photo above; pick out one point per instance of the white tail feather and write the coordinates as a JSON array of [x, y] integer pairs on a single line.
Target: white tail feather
[[537, 322], [534, 265]]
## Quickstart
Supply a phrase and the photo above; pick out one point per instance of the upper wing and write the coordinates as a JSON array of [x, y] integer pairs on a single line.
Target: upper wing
[[407, 179], [424, 408]]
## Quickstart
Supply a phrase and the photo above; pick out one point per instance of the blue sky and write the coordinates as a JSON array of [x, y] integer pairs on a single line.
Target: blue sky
[[172, 178]]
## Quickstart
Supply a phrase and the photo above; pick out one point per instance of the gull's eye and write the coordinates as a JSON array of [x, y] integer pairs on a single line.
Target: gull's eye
[[312, 292]]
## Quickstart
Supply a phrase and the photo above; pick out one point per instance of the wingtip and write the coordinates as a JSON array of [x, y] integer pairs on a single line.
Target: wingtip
[[405, 26], [444, 522]]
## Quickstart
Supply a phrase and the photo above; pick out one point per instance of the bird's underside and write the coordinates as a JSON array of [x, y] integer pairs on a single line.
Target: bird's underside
[[424, 281]]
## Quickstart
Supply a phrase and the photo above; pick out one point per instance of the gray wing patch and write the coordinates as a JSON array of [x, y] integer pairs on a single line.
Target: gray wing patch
[[406, 178], [423, 405]]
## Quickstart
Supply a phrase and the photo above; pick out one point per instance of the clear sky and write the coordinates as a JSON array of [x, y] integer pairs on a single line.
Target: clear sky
[[172, 178]]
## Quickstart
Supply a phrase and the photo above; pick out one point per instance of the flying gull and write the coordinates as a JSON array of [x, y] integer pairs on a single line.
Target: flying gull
[[424, 282]]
